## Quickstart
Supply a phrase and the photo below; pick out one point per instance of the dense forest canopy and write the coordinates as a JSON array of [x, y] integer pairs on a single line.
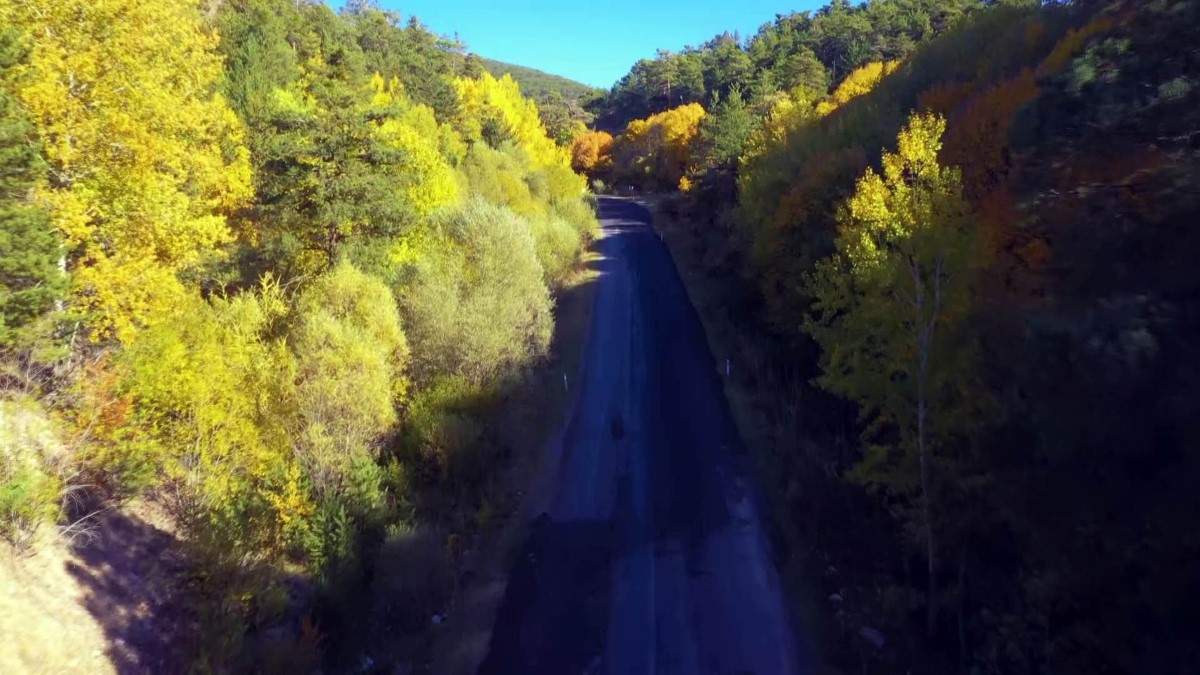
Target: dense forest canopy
[[277, 286], [563, 103], [798, 49]]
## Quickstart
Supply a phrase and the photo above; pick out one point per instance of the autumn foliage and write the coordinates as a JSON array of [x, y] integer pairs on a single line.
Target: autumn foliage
[[135, 212], [656, 152], [591, 153], [858, 83], [979, 254], [304, 251]]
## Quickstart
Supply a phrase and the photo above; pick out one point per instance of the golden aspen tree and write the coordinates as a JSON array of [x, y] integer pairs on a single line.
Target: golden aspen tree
[[858, 83], [786, 115], [146, 158], [427, 182], [494, 110], [888, 315], [658, 149]]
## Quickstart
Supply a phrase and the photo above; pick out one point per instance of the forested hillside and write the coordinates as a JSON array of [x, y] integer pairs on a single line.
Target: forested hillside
[[955, 242], [271, 268], [277, 274], [564, 103], [809, 49], [538, 85]]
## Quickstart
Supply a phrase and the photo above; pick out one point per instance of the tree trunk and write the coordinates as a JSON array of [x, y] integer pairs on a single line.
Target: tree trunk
[[931, 598], [925, 328], [962, 608]]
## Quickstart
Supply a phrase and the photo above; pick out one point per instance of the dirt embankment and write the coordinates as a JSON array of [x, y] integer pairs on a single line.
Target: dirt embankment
[[106, 599]]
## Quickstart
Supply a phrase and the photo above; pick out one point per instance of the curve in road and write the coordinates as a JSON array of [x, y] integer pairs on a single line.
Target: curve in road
[[652, 556]]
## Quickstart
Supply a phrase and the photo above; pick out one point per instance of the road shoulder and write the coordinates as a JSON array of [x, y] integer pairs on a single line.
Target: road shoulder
[[461, 643]]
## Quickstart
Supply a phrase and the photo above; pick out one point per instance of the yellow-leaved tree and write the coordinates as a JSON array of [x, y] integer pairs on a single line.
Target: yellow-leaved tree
[[208, 395], [858, 83], [494, 110], [786, 114], [145, 157], [657, 151], [889, 314], [427, 182]]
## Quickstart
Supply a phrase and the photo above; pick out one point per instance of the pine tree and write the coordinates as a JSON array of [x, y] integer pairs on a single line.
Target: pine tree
[[326, 176], [30, 280], [725, 131]]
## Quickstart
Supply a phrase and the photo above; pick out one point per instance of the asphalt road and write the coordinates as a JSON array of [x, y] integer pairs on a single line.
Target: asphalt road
[[651, 557]]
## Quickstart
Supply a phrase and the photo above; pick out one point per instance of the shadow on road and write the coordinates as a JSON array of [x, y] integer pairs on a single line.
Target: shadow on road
[[651, 466], [562, 580]]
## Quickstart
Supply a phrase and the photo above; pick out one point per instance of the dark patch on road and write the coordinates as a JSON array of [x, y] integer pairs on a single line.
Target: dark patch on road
[[555, 609], [617, 427]]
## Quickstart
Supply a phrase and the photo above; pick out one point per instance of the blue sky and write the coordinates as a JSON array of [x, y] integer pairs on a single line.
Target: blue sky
[[593, 42]]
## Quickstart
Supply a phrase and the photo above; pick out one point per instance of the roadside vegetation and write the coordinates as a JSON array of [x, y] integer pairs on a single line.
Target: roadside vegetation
[[946, 249], [277, 270]]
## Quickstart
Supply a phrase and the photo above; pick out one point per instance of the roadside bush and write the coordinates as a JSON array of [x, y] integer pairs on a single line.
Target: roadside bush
[[207, 396], [31, 463], [581, 214], [412, 578], [558, 183], [444, 429], [350, 359], [501, 177], [475, 302], [557, 242]]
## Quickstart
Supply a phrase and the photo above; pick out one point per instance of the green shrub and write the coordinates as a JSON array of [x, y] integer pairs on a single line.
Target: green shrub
[[31, 460], [28, 498], [557, 243], [475, 301], [444, 426], [350, 357], [501, 177], [411, 580], [1176, 88], [581, 214]]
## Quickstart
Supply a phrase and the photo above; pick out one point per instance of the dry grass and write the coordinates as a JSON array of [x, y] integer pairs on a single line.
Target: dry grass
[[41, 603], [107, 607]]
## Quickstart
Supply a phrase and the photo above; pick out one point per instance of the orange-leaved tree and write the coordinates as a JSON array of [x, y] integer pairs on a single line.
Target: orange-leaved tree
[[591, 153], [657, 152]]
